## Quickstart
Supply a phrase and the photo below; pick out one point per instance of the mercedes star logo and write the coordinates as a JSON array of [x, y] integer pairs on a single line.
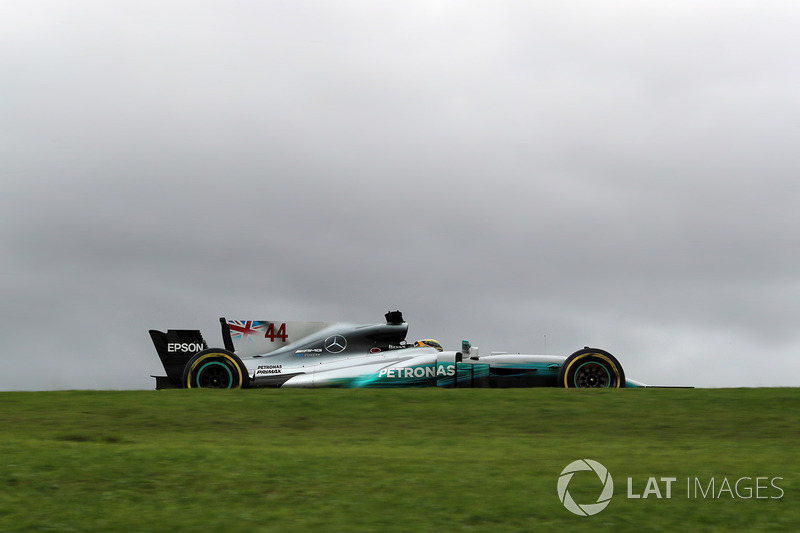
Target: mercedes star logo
[[335, 344]]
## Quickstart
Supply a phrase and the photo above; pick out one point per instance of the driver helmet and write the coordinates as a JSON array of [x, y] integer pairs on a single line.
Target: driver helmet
[[430, 343]]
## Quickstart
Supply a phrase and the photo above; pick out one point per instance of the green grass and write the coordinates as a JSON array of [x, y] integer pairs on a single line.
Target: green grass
[[391, 460]]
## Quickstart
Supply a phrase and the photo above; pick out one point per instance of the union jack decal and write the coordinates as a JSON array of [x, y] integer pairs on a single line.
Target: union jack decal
[[242, 329]]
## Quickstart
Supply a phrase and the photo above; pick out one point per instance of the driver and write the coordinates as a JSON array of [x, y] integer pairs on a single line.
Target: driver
[[429, 343]]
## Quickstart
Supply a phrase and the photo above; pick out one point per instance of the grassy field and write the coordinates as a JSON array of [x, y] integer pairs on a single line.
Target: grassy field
[[395, 460]]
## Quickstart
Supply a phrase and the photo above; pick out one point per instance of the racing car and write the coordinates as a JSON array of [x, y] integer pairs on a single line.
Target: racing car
[[261, 353]]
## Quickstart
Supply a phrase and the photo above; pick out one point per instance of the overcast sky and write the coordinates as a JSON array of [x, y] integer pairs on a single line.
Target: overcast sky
[[534, 176]]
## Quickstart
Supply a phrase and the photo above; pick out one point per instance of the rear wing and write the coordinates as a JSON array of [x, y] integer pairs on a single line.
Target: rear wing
[[175, 348]]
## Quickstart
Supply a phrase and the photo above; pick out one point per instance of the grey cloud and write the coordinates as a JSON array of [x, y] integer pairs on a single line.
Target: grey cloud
[[620, 175]]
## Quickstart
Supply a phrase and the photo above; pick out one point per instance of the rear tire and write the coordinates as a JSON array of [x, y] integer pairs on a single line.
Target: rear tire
[[215, 369], [591, 368]]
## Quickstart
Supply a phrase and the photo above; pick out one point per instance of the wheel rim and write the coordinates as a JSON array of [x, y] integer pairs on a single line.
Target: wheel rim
[[214, 375], [592, 375]]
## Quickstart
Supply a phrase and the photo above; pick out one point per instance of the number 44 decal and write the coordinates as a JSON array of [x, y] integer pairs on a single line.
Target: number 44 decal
[[280, 334]]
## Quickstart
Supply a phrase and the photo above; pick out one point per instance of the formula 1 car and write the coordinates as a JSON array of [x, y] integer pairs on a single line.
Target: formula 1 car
[[329, 354]]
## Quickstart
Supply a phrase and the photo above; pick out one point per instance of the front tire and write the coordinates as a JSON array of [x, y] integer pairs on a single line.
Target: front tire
[[591, 368], [215, 369]]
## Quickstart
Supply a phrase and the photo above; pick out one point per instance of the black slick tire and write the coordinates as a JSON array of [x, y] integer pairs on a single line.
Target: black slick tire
[[215, 368], [591, 368]]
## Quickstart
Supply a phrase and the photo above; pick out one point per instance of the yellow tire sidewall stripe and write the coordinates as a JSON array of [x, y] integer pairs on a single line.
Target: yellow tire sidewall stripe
[[213, 354], [600, 356]]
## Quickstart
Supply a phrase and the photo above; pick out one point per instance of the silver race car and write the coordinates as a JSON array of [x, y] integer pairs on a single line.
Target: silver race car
[[330, 354]]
